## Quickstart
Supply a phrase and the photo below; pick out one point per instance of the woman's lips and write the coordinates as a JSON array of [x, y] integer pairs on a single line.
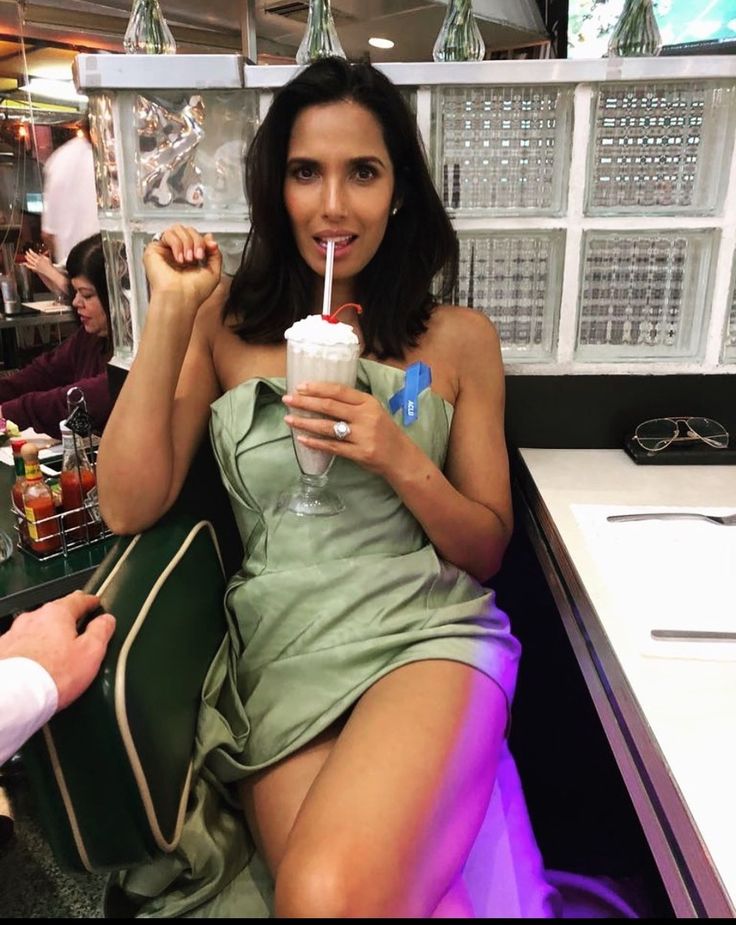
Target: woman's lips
[[342, 244]]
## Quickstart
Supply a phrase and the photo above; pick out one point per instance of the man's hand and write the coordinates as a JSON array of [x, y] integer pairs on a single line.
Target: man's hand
[[49, 636]]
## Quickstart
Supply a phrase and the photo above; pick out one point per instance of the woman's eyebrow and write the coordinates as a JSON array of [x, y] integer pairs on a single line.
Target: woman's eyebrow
[[366, 159], [353, 161], [305, 161]]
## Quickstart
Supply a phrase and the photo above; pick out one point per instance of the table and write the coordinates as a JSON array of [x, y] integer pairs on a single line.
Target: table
[[667, 708], [27, 582], [27, 317]]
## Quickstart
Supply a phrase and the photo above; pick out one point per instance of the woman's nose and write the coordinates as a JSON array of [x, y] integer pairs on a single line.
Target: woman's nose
[[333, 199]]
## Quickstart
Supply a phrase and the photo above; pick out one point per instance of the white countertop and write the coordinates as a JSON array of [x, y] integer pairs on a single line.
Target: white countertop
[[652, 574]]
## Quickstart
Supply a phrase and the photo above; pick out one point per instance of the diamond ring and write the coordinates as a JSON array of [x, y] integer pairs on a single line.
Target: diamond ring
[[341, 429], [158, 237]]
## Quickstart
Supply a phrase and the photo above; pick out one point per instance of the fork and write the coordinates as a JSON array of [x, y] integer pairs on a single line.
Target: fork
[[726, 520]]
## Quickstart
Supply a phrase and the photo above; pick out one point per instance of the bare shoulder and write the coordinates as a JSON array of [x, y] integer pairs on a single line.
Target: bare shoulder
[[467, 332]]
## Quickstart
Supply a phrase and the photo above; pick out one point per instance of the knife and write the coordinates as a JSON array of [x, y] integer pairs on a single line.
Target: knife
[[703, 635]]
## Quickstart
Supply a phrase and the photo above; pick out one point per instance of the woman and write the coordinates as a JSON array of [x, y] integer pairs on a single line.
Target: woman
[[359, 712], [35, 396]]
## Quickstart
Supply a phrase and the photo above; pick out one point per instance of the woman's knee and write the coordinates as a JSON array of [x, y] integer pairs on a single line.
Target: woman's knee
[[329, 884], [313, 886]]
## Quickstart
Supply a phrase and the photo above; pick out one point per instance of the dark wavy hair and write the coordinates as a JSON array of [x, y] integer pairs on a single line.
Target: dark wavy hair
[[274, 287], [87, 258]]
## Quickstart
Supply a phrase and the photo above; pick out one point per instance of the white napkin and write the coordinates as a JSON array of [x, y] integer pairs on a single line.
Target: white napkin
[[675, 574], [49, 307], [49, 446]]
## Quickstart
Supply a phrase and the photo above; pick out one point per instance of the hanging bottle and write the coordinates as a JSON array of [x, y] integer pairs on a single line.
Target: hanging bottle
[[459, 38], [78, 490], [320, 39], [148, 32], [44, 534], [636, 32]]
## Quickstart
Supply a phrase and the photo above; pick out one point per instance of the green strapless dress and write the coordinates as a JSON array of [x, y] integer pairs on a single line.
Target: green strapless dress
[[321, 608]]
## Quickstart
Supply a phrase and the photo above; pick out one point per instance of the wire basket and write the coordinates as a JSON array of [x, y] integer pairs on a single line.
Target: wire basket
[[62, 532], [68, 528]]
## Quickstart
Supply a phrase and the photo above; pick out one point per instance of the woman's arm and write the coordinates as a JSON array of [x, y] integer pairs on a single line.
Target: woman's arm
[[46, 371], [55, 279], [162, 411], [43, 410], [465, 510], [469, 515]]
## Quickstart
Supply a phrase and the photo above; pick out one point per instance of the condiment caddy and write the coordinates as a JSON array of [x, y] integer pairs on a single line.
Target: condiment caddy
[[55, 516]]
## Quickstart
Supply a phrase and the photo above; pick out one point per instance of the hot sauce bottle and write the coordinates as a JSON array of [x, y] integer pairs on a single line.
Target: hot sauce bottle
[[78, 490], [20, 471], [44, 535], [16, 492]]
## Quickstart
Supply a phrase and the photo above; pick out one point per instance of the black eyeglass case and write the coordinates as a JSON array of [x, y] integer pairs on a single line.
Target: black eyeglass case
[[693, 454]]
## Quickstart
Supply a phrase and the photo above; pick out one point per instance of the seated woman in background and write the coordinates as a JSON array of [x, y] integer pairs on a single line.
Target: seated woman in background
[[35, 396]]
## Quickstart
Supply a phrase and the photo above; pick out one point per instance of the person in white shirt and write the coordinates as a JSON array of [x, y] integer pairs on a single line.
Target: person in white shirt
[[45, 664], [69, 197]]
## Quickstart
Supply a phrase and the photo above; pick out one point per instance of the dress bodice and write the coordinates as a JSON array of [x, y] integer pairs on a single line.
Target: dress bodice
[[254, 449]]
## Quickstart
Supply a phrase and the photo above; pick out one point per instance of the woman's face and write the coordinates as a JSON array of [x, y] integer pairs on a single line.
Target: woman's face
[[339, 185], [88, 306]]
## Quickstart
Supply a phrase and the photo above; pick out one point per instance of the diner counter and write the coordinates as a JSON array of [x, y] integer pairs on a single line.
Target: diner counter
[[667, 707]]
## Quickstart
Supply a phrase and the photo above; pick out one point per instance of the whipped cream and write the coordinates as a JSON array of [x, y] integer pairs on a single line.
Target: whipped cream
[[315, 330]]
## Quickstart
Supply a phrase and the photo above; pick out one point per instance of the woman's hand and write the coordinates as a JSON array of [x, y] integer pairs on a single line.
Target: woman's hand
[[374, 442], [39, 263], [185, 263], [54, 278]]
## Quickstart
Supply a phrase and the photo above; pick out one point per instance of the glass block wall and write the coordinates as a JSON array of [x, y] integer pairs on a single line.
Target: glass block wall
[[501, 149], [595, 207], [659, 147], [729, 343], [644, 294]]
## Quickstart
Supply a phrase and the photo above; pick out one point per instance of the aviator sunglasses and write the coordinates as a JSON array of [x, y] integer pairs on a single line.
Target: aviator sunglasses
[[658, 433]]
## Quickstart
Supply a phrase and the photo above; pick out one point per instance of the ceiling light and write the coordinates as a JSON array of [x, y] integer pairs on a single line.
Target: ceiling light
[[380, 43], [53, 90], [20, 109]]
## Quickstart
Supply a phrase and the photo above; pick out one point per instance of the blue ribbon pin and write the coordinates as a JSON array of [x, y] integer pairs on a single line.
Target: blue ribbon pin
[[418, 377]]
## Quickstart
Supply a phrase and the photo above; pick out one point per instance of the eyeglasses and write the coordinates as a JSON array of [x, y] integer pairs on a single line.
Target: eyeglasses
[[658, 433]]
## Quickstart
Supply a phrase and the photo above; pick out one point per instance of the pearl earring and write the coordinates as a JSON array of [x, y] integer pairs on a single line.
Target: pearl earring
[[394, 210]]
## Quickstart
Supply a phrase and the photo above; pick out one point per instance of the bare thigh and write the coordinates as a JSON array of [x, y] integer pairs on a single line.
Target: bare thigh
[[272, 798], [398, 801]]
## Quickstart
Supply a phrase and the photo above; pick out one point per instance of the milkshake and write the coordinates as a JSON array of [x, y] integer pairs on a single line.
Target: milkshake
[[319, 351]]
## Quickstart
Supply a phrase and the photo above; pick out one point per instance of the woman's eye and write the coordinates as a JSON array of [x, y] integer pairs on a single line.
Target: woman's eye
[[303, 172], [365, 172]]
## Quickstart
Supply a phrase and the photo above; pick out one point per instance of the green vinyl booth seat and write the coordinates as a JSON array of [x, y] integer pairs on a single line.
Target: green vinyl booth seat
[[111, 773]]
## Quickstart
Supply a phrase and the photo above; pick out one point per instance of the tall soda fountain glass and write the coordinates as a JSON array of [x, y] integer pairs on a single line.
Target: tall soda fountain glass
[[318, 350]]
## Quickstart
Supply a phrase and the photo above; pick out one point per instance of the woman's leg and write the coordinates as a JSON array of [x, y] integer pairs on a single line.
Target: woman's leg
[[456, 903], [272, 798], [387, 823]]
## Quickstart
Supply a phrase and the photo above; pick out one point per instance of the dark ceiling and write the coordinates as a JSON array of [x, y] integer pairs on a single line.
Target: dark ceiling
[[216, 25]]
